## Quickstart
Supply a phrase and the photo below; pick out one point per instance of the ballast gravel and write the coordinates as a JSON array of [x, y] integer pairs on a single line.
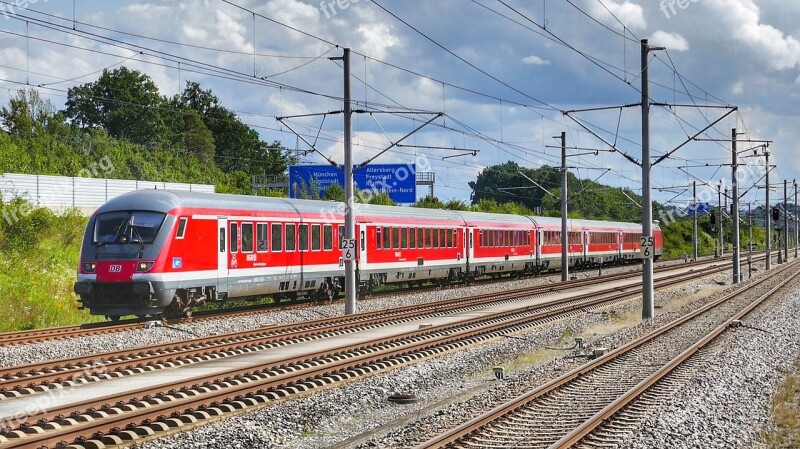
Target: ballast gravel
[[461, 385], [456, 387]]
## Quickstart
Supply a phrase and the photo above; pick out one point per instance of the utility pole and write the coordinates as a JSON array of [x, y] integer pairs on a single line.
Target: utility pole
[[785, 222], [749, 241], [722, 228], [767, 211], [564, 233], [648, 306], [795, 219], [349, 218], [719, 222], [694, 220], [735, 209]]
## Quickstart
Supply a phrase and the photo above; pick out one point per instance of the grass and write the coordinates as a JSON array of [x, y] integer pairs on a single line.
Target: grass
[[37, 270], [785, 415]]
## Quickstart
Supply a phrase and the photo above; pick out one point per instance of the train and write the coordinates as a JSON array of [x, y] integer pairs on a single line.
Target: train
[[161, 253]]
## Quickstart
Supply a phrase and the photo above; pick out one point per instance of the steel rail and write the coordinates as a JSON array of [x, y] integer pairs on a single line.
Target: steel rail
[[473, 426], [451, 337], [609, 411]]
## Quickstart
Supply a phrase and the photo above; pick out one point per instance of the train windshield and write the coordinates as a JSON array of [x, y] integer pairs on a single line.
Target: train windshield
[[137, 228]]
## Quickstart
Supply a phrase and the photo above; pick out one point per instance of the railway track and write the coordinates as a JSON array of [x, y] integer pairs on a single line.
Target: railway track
[[19, 380], [138, 412], [62, 332], [596, 404]]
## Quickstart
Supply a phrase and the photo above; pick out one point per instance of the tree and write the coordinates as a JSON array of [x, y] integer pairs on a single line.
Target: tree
[[430, 202], [455, 204], [197, 139], [124, 102], [237, 146], [334, 193], [28, 114], [502, 183]]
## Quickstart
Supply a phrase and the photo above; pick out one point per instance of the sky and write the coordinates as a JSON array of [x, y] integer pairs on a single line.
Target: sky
[[504, 73]]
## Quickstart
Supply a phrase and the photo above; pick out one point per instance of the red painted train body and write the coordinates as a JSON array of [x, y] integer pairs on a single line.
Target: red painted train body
[[154, 252]]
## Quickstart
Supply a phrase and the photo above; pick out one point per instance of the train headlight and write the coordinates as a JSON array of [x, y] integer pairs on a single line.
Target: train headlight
[[143, 267], [89, 267]]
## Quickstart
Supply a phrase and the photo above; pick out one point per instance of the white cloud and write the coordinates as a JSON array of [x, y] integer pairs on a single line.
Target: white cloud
[[743, 19], [673, 41], [534, 60], [629, 13], [377, 39]]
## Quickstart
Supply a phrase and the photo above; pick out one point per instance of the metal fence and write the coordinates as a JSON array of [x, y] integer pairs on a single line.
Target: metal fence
[[84, 194]]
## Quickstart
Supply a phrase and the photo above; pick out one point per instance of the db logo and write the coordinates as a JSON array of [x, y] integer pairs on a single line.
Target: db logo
[[115, 269]]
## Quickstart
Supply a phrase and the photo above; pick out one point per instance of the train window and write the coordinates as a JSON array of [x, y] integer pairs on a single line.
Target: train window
[[290, 237], [277, 237], [261, 237], [302, 238], [379, 242], [403, 238], [455, 238], [395, 238], [387, 238], [234, 235], [327, 238], [181, 228], [247, 237], [481, 238], [222, 240], [412, 238], [449, 238], [435, 243], [315, 242]]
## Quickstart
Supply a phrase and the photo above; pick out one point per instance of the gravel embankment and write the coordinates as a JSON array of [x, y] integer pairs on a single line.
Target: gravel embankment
[[451, 388]]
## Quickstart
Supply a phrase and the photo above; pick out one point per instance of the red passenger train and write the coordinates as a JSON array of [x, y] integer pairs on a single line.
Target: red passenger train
[[154, 252]]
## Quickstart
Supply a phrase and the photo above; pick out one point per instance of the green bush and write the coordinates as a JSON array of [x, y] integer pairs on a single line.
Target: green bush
[[37, 270]]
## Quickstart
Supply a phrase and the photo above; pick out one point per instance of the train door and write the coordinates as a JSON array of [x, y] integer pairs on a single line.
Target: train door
[[469, 246], [585, 244], [222, 257], [361, 257]]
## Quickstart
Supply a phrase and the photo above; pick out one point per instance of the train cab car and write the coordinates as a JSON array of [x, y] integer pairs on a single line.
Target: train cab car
[[154, 251]]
